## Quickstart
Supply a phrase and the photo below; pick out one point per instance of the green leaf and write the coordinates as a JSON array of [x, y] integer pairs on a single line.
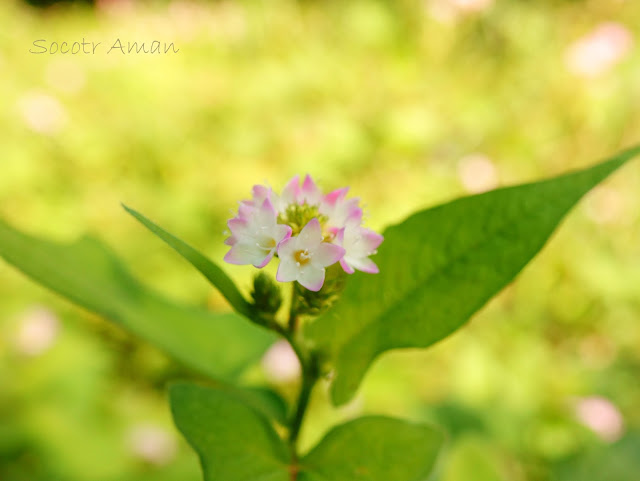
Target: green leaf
[[89, 274], [211, 271], [441, 265], [267, 401], [373, 449], [234, 441]]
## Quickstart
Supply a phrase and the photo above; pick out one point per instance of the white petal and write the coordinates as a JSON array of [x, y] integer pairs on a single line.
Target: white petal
[[245, 253], [287, 247], [326, 254], [266, 215], [287, 270], [311, 277], [310, 236]]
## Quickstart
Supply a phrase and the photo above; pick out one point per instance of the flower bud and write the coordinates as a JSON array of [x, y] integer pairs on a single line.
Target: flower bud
[[266, 294]]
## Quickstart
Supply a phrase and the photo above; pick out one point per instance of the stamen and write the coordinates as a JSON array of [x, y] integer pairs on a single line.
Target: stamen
[[302, 257]]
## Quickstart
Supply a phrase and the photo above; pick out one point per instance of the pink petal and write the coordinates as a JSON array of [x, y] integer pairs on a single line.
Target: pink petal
[[266, 260], [364, 264], [354, 218], [291, 192], [310, 235], [371, 239], [346, 267], [266, 215], [311, 277], [245, 209], [310, 192], [332, 198], [238, 227], [230, 241], [327, 254], [283, 232], [260, 192]]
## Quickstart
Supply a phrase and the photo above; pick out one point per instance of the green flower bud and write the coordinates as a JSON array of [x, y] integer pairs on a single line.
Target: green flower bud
[[266, 294]]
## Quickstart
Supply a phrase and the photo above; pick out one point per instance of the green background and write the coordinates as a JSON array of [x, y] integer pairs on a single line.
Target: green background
[[411, 104]]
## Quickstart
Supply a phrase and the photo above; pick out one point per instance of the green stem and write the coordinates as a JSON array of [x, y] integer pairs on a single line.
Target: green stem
[[308, 381], [293, 311]]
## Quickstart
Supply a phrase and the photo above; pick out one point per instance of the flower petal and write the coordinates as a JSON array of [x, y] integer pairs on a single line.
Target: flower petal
[[326, 254], [282, 232], [291, 192], [311, 277], [346, 267], [310, 192], [370, 239], [266, 260], [287, 270], [266, 215], [332, 198], [287, 247], [238, 227], [245, 253], [310, 236], [363, 264]]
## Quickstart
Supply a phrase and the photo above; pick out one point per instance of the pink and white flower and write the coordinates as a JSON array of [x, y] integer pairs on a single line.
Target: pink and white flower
[[359, 243], [340, 210], [303, 258], [306, 229], [255, 238]]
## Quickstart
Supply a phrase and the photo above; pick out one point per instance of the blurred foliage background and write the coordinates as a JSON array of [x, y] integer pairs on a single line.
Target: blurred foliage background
[[411, 103]]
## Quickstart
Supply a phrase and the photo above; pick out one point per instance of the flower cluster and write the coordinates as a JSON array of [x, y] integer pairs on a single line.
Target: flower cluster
[[306, 229]]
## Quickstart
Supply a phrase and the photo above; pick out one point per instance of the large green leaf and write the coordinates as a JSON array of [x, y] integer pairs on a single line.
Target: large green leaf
[[211, 271], [89, 274], [234, 441], [441, 265], [373, 449]]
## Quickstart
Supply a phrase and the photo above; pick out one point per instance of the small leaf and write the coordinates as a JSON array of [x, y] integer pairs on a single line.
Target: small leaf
[[234, 442], [373, 448], [89, 274], [211, 271], [441, 265]]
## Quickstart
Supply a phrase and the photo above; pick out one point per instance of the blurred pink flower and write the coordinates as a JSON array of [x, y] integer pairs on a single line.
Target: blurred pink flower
[[605, 205], [601, 416], [450, 10], [598, 51], [42, 113], [37, 331], [477, 173], [280, 363], [152, 444]]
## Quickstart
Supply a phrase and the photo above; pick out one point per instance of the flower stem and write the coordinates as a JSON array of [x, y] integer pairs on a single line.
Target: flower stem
[[308, 381], [293, 311]]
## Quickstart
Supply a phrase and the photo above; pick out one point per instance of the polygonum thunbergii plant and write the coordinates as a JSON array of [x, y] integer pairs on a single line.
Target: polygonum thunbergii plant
[[307, 230], [433, 272]]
